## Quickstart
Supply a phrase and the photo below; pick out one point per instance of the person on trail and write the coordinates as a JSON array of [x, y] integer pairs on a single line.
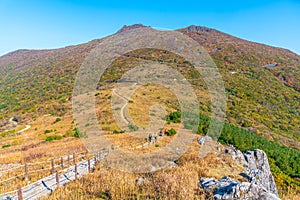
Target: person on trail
[[155, 137], [150, 137], [160, 133]]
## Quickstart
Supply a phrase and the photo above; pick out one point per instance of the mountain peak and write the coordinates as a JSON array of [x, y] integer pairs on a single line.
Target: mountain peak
[[130, 27], [194, 28]]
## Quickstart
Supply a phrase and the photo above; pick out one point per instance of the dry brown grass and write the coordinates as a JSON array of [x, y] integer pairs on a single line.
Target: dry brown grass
[[33, 148], [181, 182]]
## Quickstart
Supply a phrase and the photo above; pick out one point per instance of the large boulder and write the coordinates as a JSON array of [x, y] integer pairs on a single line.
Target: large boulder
[[258, 169], [260, 185]]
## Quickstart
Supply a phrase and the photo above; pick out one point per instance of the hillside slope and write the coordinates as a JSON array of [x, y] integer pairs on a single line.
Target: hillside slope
[[262, 82], [262, 86]]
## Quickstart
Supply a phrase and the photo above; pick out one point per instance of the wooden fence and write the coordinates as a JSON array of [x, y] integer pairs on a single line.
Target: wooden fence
[[62, 171]]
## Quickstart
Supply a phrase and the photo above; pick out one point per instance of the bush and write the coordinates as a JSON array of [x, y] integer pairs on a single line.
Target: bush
[[48, 131], [171, 132], [116, 132], [6, 146], [78, 133], [53, 137], [133, 127], [174, 117], [57, 120]]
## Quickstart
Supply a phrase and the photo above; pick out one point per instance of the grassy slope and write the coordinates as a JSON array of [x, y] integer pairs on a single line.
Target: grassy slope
[[40, 82]]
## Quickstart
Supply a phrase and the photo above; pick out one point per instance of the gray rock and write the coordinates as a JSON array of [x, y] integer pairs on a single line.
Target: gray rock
[[260, 185], [236, 155], [258, 169], [203, 139], [270, 66], [194, 28], [140, 182], [227, 188]]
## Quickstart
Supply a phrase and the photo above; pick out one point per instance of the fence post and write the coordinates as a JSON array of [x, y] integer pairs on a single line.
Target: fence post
[[95, 159], [62, 162], [86, 154], [52, 166], [26, 171], [75, 171], [89, 165], [74, 160], [68, 160], [57, 178], [20, 196]]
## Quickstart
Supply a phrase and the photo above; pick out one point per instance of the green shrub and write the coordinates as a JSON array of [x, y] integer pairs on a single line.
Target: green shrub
[[48, 131], [116, 131], [171, 132], [53, 137], [6, 146], [57, 120], [4, 133], [133, 127], [78, 133], [174, 117]]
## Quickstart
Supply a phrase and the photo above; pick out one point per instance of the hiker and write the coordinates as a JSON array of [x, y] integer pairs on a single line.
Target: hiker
[[150, 137], [160, 133], [155, 137]]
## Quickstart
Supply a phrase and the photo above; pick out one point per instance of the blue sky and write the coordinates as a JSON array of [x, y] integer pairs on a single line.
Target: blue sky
[[40, 24]]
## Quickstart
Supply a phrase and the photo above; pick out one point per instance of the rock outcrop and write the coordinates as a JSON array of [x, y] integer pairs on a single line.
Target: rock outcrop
[[227, 188], [260, 185], [194, 28], [202, 140]]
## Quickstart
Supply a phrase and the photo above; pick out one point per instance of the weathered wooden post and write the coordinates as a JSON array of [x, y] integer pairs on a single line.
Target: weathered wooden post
[[75, 171], [57, 178], [62, 162], [95, 159], [89, 165], [52, 166], [20, 196], [69, 160], [26, 171], [74, 159]]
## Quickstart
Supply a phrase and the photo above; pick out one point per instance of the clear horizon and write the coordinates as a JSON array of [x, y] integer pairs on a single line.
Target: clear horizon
[[36, 24]]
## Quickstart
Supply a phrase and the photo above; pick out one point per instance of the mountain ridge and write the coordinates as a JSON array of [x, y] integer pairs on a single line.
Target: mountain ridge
[[129, 27]]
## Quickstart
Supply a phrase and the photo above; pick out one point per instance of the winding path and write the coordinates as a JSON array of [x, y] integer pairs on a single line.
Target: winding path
[[24, 129], [11, 120], [123, 107]]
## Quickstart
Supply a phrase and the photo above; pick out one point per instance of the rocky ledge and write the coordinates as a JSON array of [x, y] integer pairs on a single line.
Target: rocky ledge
[[260, 181], [227, 188]]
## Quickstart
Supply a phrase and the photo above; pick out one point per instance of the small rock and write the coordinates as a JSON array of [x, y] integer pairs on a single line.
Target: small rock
[[140, 182], [203, 139]]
